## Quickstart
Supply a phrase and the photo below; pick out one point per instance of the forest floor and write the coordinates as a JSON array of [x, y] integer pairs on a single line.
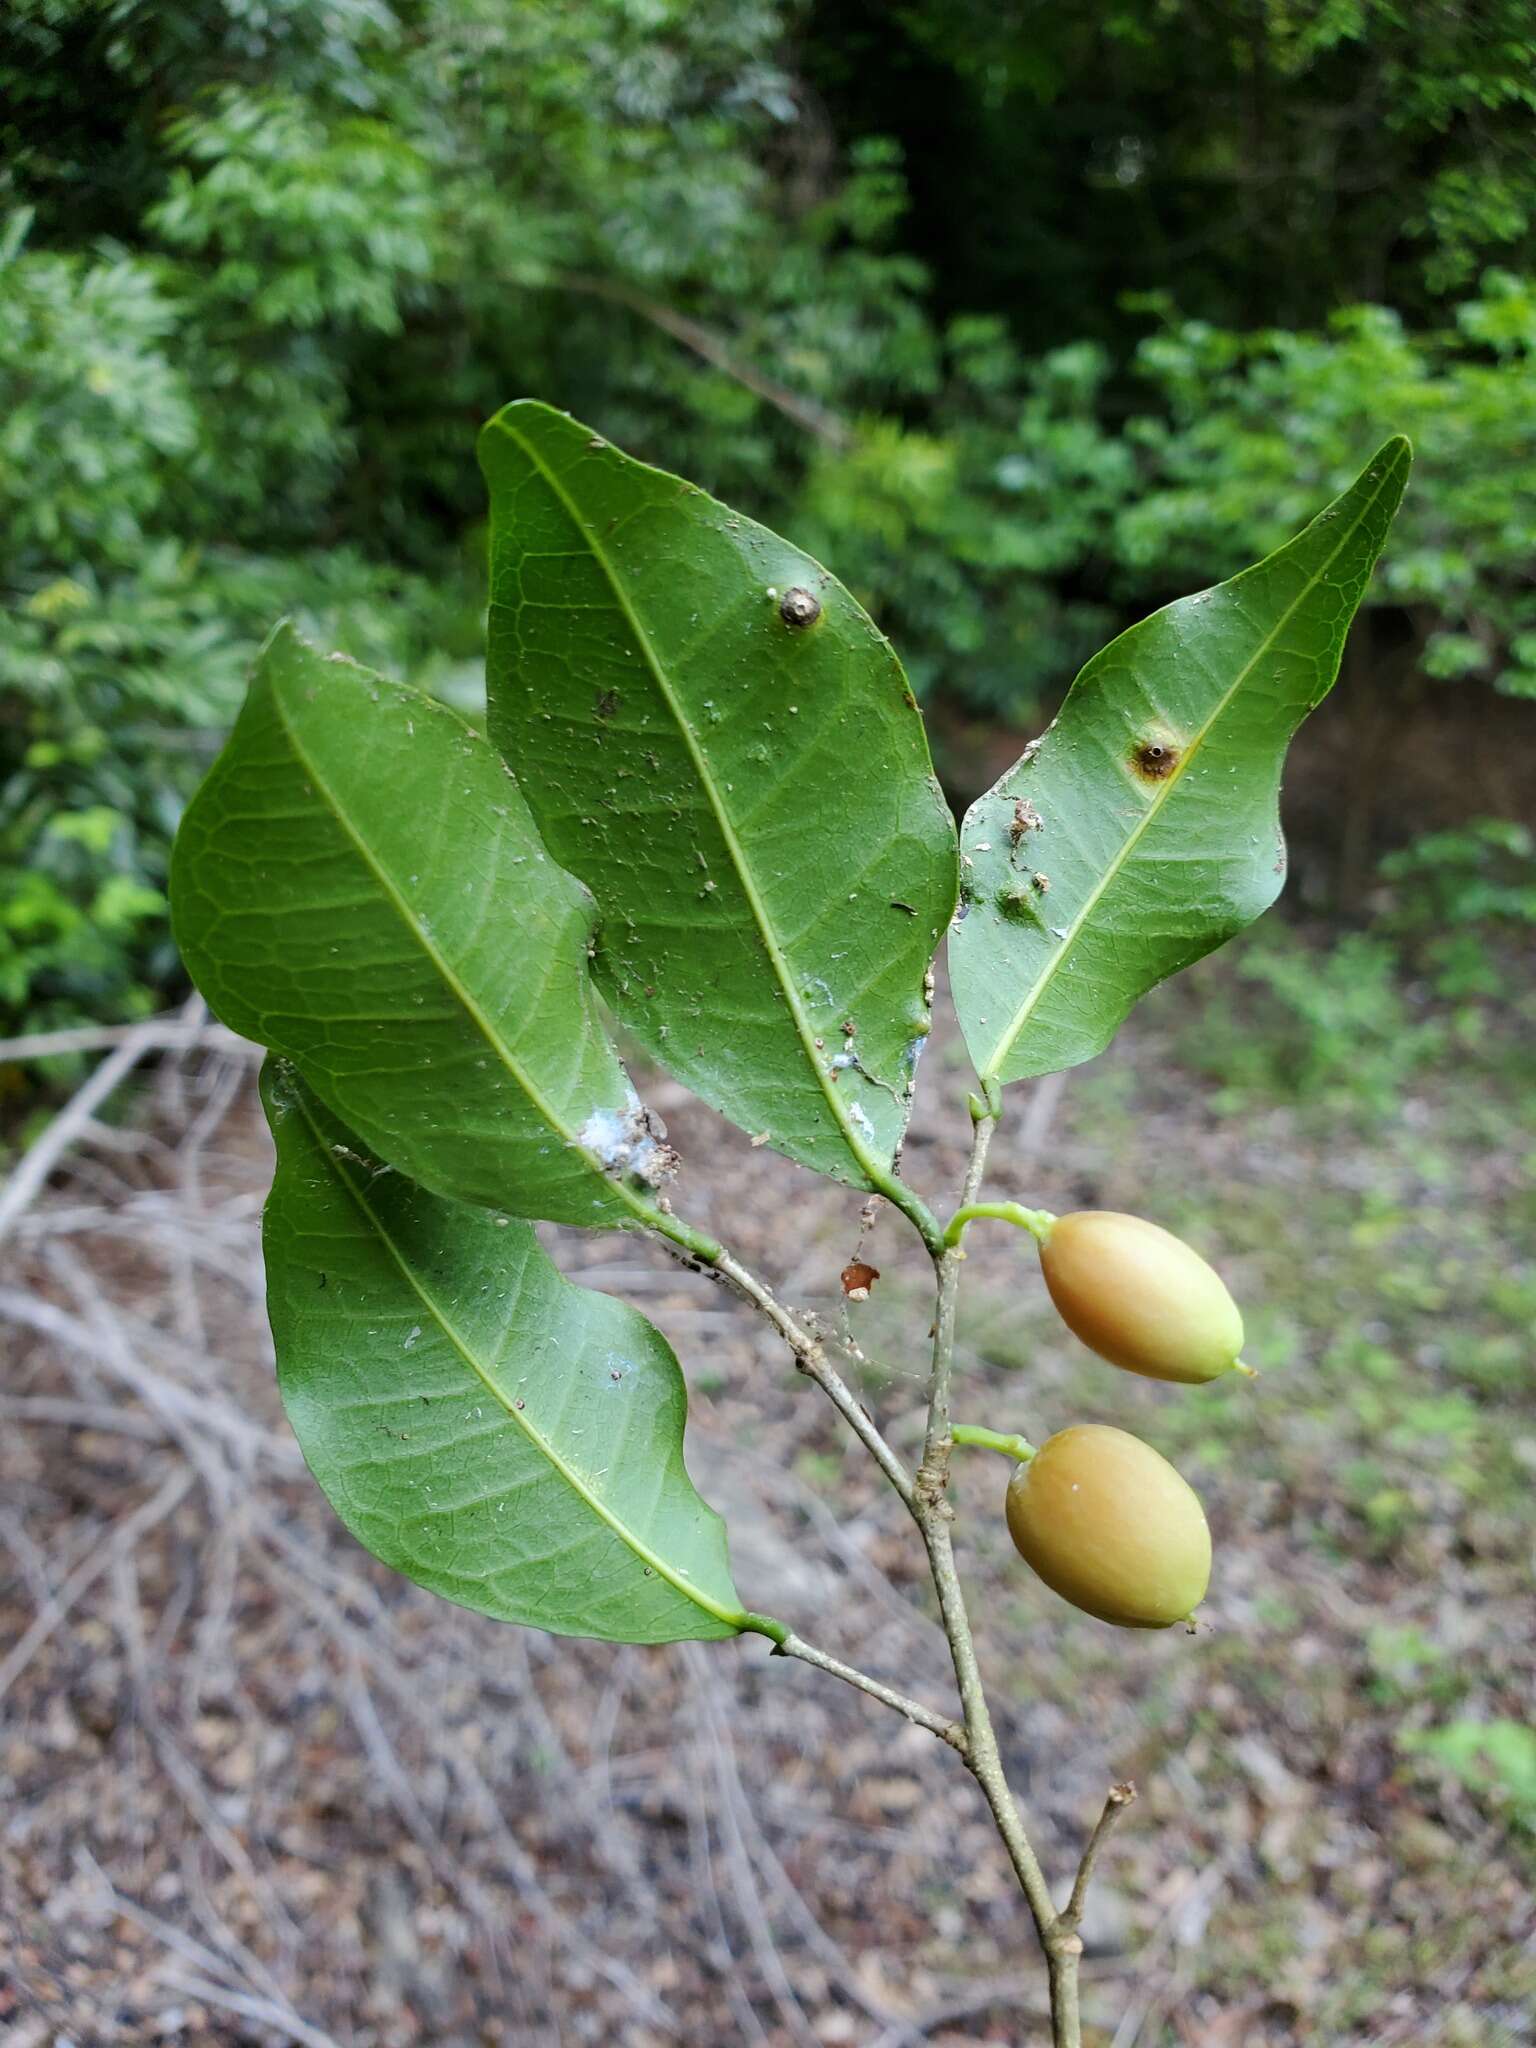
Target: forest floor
[[257, 1790]]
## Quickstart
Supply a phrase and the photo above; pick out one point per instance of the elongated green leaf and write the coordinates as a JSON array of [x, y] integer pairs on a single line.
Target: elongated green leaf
[[510, 1440], [359, 886], [744, 787], [1143, 830]]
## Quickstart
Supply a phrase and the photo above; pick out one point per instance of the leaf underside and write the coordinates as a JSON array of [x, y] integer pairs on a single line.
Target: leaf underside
[[499, 1435], [1143, 829], [750, 801], [359, 886]]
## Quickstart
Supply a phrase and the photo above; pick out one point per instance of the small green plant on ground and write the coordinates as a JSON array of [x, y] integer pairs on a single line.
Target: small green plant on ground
[[704, 796], [1329, 1026]]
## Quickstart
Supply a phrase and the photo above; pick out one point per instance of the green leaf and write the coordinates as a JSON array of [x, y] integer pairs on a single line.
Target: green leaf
[[1143, 829], [750, 800], [495, 1433], [358, 885]]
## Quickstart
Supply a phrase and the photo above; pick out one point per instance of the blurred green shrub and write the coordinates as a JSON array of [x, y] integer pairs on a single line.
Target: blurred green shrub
[[1252, 426], [1329, 1025], [127, 625], [1457, 895], [263, 270], [1496, 1760]]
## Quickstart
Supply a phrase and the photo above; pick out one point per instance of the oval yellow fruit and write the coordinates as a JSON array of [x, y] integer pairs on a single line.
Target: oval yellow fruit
[[1109, 1525], [1138, 1296]]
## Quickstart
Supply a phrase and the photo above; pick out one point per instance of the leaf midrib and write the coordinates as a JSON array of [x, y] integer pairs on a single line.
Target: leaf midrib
[[471, 1007], [874, 1168], [1048, 974], [429, 1303]]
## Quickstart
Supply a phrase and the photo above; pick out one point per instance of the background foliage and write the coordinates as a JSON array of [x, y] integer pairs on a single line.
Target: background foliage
[[1023, 322]]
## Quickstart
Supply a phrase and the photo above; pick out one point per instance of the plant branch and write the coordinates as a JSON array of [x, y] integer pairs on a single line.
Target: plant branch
[[31, 1176], [1060, 1940], [805, 412], [810, 1354], [811, 1357], [791, 1645], [934, 1472], [925, 1495], [171, 1032], [1118, 1799]]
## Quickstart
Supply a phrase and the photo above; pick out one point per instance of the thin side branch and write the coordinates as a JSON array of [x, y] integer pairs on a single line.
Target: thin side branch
[[805, 412], [75, 1120], [71, 1124], [1118, 1799], [811, 1357], [910, 1709], [172, 1032]]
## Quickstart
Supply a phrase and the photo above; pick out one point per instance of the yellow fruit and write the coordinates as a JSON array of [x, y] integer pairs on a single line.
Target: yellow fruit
[[1109, 1525], [1140, 1297]]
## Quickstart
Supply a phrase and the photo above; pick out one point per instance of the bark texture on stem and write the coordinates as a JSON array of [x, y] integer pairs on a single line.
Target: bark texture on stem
[[1057, 1931], [1061, 1943], [925, 1495]]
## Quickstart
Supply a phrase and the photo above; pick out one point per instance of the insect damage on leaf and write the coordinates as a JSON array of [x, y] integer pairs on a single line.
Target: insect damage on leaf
[[1154, 759], [1025, 819], [1018, 899], [799, 608], [631, 1142]]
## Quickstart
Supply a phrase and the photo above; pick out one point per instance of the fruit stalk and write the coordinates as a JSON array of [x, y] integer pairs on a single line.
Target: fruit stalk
[[993, 1440], [1036, 1221]]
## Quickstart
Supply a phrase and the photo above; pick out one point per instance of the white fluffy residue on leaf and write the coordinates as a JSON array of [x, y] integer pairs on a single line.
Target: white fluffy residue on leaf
[[629, 1141]]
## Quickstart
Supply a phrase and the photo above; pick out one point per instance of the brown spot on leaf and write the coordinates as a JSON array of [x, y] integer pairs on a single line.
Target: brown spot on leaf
[[1154, 759], [858, 1279]]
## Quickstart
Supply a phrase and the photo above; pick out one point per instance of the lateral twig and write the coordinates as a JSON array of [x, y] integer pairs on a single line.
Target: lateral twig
[[171, 1032], [71, 1123], [812, 1359], [805, 412], [910, 1709], [1118, 1799]]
